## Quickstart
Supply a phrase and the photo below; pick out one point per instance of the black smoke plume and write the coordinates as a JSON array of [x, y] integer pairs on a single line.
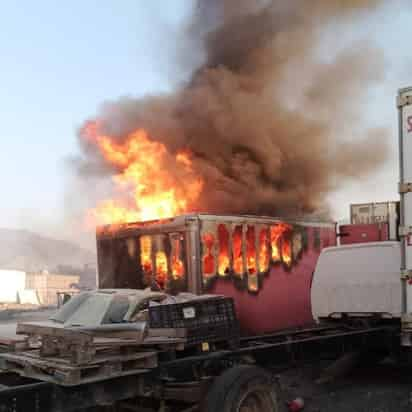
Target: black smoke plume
[[273, 113]]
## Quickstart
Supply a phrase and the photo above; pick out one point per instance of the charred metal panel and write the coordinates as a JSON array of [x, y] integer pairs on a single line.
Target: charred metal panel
[[193, 255], [105, 260], [125, 265]]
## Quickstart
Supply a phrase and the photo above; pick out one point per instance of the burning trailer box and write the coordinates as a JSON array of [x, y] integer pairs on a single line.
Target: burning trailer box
[[265, 264]]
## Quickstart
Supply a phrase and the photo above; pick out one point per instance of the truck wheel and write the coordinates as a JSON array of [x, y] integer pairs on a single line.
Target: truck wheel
[[242, 389]]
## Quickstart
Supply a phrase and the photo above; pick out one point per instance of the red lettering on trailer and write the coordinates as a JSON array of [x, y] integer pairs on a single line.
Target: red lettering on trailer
[[409, 120]]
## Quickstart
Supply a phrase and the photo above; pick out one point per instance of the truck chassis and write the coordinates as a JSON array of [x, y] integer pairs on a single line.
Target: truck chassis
[[192, 380]]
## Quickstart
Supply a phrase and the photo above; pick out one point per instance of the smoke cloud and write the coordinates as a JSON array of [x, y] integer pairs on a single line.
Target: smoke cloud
[[273, 114]]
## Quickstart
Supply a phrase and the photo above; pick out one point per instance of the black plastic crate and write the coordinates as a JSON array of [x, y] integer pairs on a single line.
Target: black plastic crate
[[206, 320]]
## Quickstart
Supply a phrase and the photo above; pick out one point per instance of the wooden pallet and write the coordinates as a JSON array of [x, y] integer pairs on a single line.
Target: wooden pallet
[[62, 372], [82, 348], [84, 355]]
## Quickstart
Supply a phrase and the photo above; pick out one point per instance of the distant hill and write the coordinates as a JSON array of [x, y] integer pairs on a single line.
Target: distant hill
[[27, 251]]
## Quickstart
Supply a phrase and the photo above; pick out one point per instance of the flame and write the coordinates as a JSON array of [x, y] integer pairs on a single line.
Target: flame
[[146, 257], [223, 258], [237, 251], [287, 251], [264, 255], [276, 233], [161, 269], [150, 182], [251, 250], [178, 269], [253, 283]]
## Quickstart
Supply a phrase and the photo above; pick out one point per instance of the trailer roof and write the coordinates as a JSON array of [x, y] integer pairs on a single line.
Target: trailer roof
[[173, 223]]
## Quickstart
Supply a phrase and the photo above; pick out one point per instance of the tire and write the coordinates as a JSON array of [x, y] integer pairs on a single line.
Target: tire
[[242, 389]]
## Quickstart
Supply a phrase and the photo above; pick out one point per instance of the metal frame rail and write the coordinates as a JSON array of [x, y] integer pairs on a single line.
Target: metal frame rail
[[333, 340], [187, 378], [318, 334]]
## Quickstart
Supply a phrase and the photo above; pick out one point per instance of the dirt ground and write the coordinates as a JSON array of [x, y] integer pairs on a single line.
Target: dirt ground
[[381, 388]]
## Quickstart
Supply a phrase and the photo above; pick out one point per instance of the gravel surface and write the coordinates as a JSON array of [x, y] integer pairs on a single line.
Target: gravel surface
[[382, 388]]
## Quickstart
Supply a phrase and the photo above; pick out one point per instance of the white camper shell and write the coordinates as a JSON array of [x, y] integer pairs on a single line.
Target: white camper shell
[[358, 279]]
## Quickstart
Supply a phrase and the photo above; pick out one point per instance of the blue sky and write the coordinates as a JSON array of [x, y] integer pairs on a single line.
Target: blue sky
[[60, 60]]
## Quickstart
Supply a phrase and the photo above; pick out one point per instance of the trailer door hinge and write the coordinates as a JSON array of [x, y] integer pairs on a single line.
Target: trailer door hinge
[[404, 100], [405, 188]]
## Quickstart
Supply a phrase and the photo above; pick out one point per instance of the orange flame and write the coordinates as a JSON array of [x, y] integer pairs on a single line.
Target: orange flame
[[151, 182], [251, 250], [237, 251], [264, 256], [178, 269], [287, 250], [146, 257], [161, 268], [276, 233], [253, 284]]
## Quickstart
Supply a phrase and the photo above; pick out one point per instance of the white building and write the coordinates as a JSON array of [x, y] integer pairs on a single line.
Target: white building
[[34, 288], [11, 283]]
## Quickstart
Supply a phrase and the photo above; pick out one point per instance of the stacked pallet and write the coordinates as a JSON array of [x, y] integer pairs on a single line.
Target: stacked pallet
[[75, 356], [63, 372]]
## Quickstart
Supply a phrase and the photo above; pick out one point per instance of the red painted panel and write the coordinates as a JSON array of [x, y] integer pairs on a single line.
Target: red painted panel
[[364, 233], [283, 300]]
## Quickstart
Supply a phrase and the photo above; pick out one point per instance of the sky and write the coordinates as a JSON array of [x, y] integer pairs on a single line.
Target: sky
[[59, 61]]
